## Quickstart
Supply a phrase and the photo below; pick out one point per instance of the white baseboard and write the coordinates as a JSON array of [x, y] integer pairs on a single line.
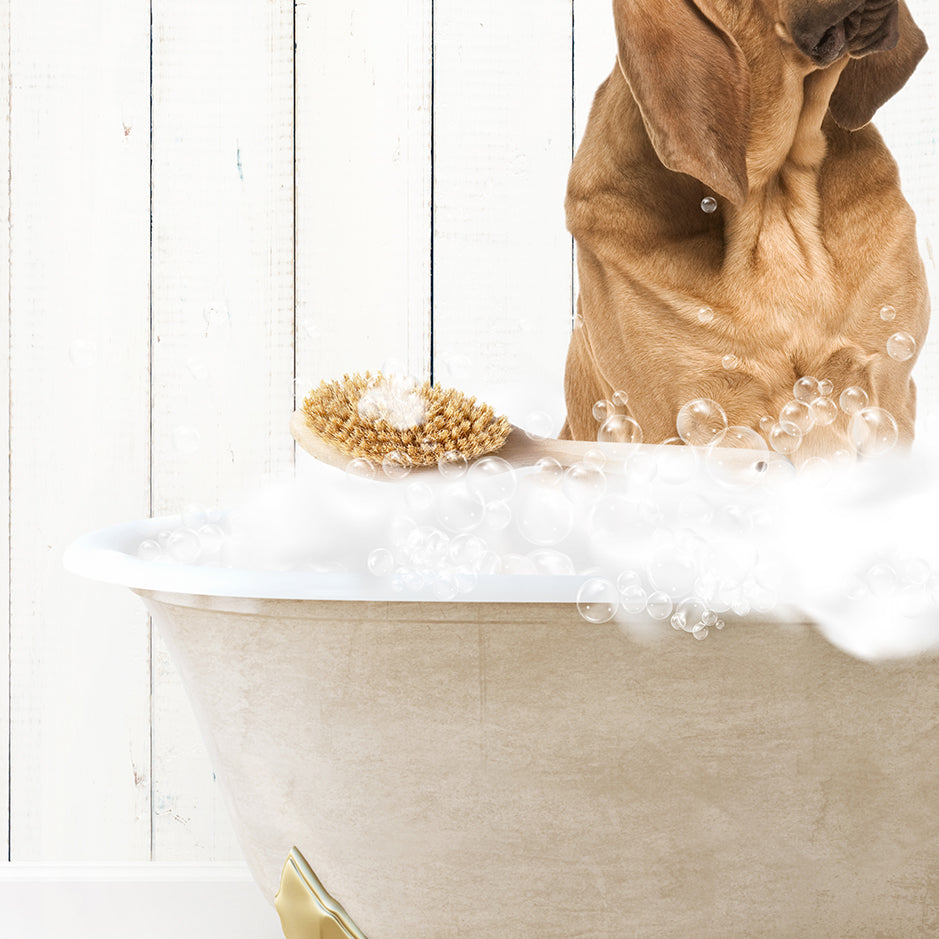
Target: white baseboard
[[145, 901]]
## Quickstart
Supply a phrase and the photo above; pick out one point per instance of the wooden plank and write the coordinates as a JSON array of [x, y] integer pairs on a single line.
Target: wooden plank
[[4, 431], [363, 187], [502, 255], [223, 315], [79, 430], [594, 56]]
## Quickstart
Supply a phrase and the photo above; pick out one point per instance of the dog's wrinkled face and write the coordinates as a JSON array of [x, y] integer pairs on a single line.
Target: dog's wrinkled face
[[825, 30]]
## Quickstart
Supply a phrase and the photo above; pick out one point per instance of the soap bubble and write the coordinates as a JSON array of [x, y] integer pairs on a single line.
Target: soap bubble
[[211, 538], [381, 562], [824, 411], [901, 347], [881, 579], [806, 389], [538, 425], [798, 413], [853, 399], [460, 509], [361, 467], [544, 516], [396, 465], [584, 483], [700, 631], [620, 399], [619, 428], [785, 438], [183, 546], [737, 468], [597, 600], [873, 431], [672, 572], [633, 599], [553, 563], [548, 472], [498, 515], [705, 315], [659, 605], [492, 479], [602, 410], [709, 205], [595, 458], [730, 362], [825, 388], [452, 464], [888, 313], [149, 550], [766, 425], [701, 422], [627, 579]]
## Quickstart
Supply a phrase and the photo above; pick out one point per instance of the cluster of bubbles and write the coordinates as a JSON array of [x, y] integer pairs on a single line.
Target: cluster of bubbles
[[395, 399], [198, 539]]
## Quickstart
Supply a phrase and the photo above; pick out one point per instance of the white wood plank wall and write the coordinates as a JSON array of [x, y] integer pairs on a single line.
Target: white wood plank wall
[[204, 209]]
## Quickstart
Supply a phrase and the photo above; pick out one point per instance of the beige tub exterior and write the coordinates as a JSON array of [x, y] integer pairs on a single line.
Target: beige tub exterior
[[508, 770]]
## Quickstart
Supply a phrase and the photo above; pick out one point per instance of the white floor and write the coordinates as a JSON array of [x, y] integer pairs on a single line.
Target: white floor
[[145, 901]]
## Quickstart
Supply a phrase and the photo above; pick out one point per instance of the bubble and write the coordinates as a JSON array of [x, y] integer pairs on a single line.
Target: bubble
[[888, 313], [548, 472], [766, 425], [785, 438], [492, 479], [602, 410], [186, 439], [824, 411], [381, 562], [149, 550], [361, 467], [825, 388], [466, 549], [552, 563], [83, 353], [700, 631], [881, 579], [659, 605], [705, 315], [798, 413], [211, 538], [873, 431], [584, 483], [701, 421], [627, 579], [544, 516], [853, 399], [689, 613], [672, 572], [597, 600], [498, 515], [737, 468], [490, 563], [730, 362], [452, 465], [396, 465], [806, 389], [460, 509], [619, 428], [620, 399], [633, 599], [183, 546], [595, 457], [901, 347], [539, 425], [709, 205]]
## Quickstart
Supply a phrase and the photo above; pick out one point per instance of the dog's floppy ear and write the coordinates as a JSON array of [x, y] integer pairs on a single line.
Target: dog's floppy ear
[[866, 83], [692, 84]]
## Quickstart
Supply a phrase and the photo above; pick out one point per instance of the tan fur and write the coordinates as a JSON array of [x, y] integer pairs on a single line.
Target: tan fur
[[811, 237]]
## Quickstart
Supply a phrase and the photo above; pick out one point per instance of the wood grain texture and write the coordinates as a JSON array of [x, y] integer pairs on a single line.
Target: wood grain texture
[[223, 319], [4, 428], [79, 350], [502, 255], [363, 187]]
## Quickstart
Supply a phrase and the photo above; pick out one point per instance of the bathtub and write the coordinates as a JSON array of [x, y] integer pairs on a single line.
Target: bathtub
[[498, 767]]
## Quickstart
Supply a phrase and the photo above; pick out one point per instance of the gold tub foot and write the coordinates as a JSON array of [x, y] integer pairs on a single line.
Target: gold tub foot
[[306, 910]]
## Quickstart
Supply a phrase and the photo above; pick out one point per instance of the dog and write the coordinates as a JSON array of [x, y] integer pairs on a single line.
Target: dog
[[739, 223]]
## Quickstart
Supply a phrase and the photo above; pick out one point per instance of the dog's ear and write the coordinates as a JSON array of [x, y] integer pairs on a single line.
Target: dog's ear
[[692, 84], [866, 83]]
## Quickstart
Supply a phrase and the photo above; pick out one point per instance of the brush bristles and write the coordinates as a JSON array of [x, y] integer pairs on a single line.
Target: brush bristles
[[453, 422]]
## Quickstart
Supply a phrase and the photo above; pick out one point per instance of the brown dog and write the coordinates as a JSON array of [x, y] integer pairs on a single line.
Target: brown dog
[[763, 106]]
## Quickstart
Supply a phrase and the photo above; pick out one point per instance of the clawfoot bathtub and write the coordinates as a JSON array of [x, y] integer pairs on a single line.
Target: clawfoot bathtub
[[498, 767]]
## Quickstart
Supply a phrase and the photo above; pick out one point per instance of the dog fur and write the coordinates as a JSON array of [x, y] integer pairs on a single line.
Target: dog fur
[[810, 239]]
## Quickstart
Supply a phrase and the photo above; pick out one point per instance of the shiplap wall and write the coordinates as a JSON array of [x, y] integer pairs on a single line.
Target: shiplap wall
[[202, 224]]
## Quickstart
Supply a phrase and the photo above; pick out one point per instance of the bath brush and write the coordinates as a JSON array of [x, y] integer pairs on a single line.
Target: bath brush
[[372, 417]]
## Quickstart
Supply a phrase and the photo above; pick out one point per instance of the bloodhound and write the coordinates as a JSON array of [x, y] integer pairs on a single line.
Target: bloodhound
[[739, 223]]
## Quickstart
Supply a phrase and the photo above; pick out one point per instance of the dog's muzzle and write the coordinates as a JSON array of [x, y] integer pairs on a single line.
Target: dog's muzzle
[[827, 31]]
